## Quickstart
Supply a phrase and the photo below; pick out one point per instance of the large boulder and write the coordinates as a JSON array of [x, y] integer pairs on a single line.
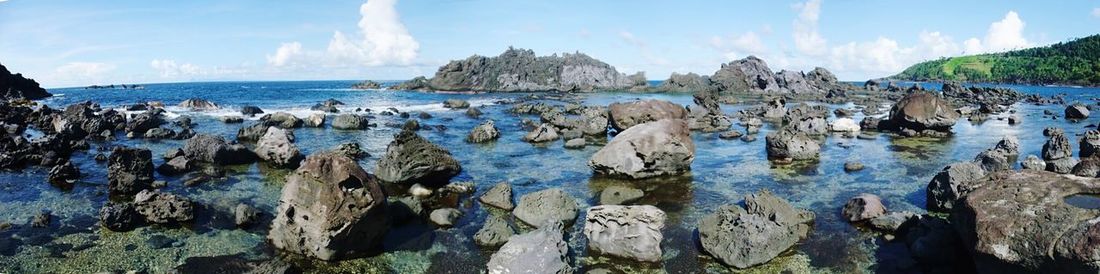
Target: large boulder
[[349, 122], [1023, 222], [632, 232], [789, 144], [1058, 153], [163, 208], [1077, 112], [120, 217], [651, 149], [129, 170], [281, 119], [546, 206], [145, 121], [543, 250], [753, 235], [626, 115], [950, 184], [251, 133], [412, 159], [1090, 144], [921, 113], [485, 132], [277, 148], [750, 74], [330, 209], [593, 121], [215, 150]]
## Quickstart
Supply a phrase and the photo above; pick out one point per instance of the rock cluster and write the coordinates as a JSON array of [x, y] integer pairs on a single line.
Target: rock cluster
[[519, 70]]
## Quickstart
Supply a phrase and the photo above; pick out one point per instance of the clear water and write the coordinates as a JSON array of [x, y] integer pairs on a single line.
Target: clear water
[[723, 172]]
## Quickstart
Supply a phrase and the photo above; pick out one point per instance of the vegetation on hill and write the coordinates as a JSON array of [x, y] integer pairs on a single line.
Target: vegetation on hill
[[1075, 62]]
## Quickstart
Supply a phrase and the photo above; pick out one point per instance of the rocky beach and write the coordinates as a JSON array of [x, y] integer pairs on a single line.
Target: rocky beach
[[550, 164]]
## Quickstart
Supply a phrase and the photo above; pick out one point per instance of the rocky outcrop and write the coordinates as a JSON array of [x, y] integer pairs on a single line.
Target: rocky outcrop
[[690, 82], [198, 104], [950, 184], [330, 209], [329, 106], [411, 159], [626, 115], [790, 144], [921, 114], [485, 132], [1021, 222], [631, 232], [15, 86], [215, 150], [546, 206], [745, 75], [753, 235], [277, 148], [129, 170], [651, 149], [543, 250], [519, 70], [368, 84]]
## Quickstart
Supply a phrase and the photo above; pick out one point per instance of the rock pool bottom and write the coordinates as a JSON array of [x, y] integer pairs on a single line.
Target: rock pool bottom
[[724, 171]]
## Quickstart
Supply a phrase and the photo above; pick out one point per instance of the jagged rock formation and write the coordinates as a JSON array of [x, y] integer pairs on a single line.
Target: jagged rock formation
[[519, 70], [15, 86]]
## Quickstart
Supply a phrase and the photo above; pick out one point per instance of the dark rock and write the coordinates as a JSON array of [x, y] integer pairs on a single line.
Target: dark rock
[[788, 144], [175, 166], [327, 106], [1077, 112], [15, 87], [368, 84], [922, 113], [891, 222], [330, 209], [546, 206], [63, 175], [745, 75], [129, 170], [251, 111], [651, 149], [690, 82], [631, 232], [456, 104], [351, 150], [198, 104], [951, 184], [412, 159], [473, 112], [232, 119], [495, 232], [251, 133], [1090, 144], [41, 220], [159, 133], [120, 217], [215, 150], [282, 120], [518, 70], [853, 166]]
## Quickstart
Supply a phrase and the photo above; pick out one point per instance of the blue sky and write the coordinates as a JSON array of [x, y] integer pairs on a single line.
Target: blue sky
[[74, 43]]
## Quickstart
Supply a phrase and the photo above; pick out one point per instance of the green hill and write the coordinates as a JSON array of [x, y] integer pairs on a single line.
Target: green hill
[[1075, 62]]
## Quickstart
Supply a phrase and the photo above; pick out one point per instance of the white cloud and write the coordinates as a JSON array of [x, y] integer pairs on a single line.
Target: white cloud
[[382, 40], [747, 43], [169, 68], [1096, 12], [806, 37], [84, 70], [1006, 34]]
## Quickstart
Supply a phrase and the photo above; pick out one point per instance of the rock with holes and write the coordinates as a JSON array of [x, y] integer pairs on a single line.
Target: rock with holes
[[330, 209], [651, 149], [163, 208], [753, 235], [1021, 222], [631, 232], [485, 132], [277, 148], [129, 170]]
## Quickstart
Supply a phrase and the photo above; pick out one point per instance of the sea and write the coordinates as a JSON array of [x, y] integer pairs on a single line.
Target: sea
[[723, 172]]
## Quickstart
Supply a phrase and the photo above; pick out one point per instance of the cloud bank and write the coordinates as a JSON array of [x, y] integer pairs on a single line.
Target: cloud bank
[[382, 40]]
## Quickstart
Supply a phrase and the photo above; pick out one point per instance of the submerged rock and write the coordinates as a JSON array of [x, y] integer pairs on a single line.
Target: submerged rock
[[651, 149], [620, 195], [129, 170], [330, 209], [632, 232], [1020, 222], [626, 115], [543, 250], [546, 206], [412, 159], [753, 235]]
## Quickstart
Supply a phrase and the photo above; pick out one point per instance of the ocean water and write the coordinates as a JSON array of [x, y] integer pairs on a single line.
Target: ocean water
[[723, 172]]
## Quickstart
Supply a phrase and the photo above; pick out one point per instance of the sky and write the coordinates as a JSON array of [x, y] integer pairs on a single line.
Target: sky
[[63, 43]]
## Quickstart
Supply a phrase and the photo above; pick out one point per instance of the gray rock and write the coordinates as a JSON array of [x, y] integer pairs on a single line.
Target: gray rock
[[1077, 112], [756, 234], [863, 207], [950, 184], [494, 233], [1033, 162], [198, 104], [1090, 144], [544, 133], [921, 113], [620, 195], [277, 148], [545, 206], [499, 196], [129, 170], [445, 217], [518, 70], [1020, 222], [626, 115], [159, 133], [245, 215], [663, 147], [541, 251], [163, 208], [745, 75], [729, 135], [231, 119], [282, 120], [690, 82], [412, 159], [485, 132], [473, 112], [631, 232], [349, 122], [456, 104], [351, 150], [330, 209], [788, 144], [594, 121], [214, 149], [251, 133], [853, 166], [314, 120], [577, 143]]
